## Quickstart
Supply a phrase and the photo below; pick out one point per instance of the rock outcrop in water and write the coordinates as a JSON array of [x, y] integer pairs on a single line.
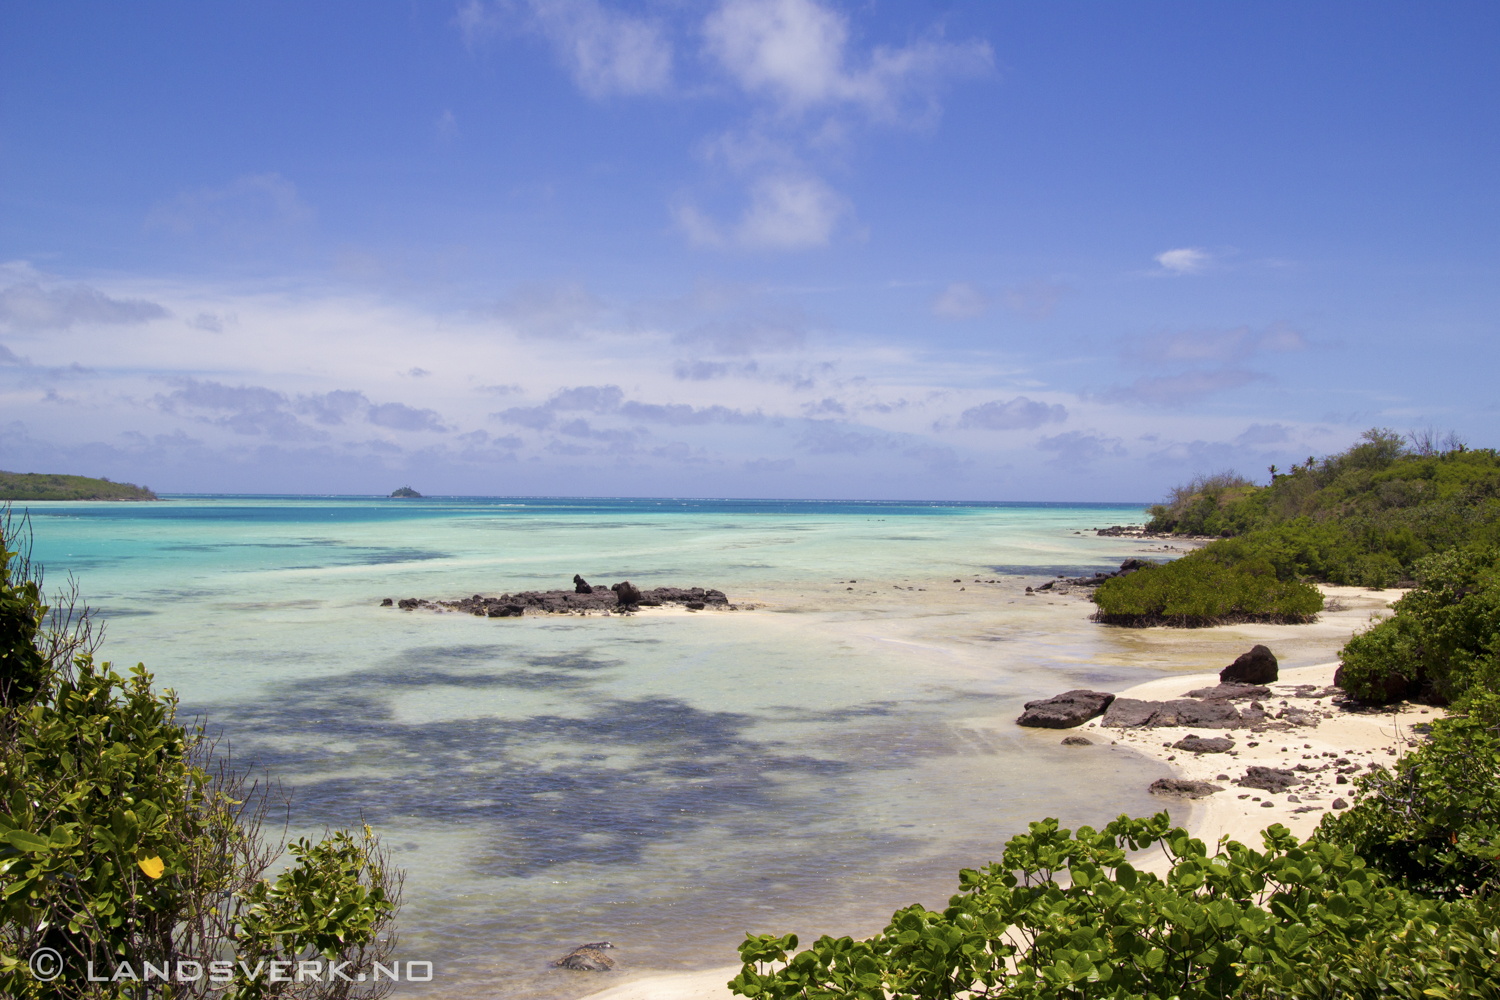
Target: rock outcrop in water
[[587, 958], [622, 597]]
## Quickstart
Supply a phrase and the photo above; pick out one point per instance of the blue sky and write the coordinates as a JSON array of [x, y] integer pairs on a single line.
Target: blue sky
[[1004, 251]]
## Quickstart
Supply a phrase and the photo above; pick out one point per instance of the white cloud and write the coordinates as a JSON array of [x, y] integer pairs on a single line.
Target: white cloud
[[960, 300], [788, 212], [795, 52], [605, 51], [446, 126], [1186, 260]]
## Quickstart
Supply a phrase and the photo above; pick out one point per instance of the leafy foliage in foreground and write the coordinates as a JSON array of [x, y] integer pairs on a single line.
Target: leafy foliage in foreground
[[1395, 898], [41, 486], [1199, 590], [1067, 916], [124, 840], [1443, 642]]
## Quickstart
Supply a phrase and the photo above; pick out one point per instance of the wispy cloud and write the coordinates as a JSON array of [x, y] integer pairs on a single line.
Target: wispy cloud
[[605, 51], [960, 300], [249, 209], [786, 211], [1179, 390], [1222, 346], [29, 306]]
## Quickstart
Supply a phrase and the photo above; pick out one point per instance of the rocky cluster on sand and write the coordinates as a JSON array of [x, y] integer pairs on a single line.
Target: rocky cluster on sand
[[1219, 707], [622, 598]]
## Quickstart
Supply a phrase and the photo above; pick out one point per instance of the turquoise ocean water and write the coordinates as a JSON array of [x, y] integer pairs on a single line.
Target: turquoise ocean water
[[666, 782]]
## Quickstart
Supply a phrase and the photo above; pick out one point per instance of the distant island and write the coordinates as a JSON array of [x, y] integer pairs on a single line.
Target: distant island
[[407, 492], [41, 486]]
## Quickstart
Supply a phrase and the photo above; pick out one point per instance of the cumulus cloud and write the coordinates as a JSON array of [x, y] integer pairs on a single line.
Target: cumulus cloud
[[960, 300], [248, 209], [829, 437], [681, 414], [400, 417], [242, 409], [331, 408], [796, 53], [589, 398], [1185, 260], [1020, 413], [28, 306], [702, 371]]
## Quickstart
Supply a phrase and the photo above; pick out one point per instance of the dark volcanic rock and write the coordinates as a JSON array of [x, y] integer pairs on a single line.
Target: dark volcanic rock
[[587, 958], [407, 603], [1182, 788], [1077, 741], [1128, 713], [626, 593], [1269, 779], [1197, 744], [581, 599], [1190, 712], [1230, 692], [1064, 711], [1255, 667], [387, 603], [1131, 713]]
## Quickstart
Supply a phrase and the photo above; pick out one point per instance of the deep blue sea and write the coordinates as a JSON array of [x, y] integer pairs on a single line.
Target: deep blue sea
[[838, 747]]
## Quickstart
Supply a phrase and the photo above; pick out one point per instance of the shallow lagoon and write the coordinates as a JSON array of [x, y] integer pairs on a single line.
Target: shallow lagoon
[[663, 781]]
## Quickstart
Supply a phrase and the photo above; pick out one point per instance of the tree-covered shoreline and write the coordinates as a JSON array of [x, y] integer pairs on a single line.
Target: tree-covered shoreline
[[36, 486]]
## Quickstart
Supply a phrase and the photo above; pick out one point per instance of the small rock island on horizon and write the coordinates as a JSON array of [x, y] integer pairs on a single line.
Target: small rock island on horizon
[[406, 493]]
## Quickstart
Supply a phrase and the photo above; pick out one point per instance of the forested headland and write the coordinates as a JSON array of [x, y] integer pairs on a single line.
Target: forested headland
[[46, 486]]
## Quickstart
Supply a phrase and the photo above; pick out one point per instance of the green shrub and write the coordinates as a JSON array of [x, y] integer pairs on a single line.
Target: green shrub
[[1443, 640], [1433, 822], [1198, 590], [125, 838], [1362, 517], [1067, 916]]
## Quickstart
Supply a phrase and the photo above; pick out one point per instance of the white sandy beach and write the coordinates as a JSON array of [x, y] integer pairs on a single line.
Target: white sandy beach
[[1190, 659]]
